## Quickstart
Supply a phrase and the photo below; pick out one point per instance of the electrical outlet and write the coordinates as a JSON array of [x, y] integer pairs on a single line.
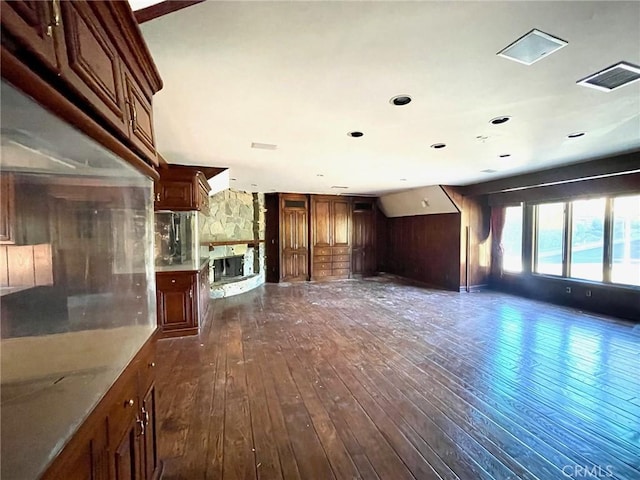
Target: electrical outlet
[[568, 289]]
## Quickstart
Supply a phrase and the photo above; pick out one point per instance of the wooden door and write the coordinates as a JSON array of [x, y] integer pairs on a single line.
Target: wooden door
[[322, 222], [149, 448], [127, 464], [140, 118], [7, 208], [362, 248], [340, 222], [294, 243], [33, 25], [91, 64]]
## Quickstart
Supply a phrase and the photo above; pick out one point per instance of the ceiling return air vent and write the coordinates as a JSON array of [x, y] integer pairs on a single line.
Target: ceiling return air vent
[[612, 77], [532, 47]]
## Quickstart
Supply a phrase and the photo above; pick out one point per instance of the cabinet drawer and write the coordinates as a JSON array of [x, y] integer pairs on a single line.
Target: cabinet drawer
[[322, 273], [322, 251], [173, 282], [123, 408], [322, 266], [340, 265], [340, 251], [321, 258], [340, 258], [344, 272]]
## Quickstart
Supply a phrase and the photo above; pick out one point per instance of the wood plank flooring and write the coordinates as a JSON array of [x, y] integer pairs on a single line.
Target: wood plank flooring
[[377, 379]]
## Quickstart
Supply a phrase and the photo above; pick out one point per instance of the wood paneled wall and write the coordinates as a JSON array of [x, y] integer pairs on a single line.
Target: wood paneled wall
[[425, 248]]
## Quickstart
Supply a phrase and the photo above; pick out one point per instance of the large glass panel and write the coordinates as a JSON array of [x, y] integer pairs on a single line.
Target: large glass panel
[[176, 245], [549, 240], [625, 266], [512, 240], [76, 279], [587, 239]]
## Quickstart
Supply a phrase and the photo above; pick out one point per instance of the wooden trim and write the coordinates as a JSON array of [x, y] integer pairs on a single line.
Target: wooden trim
[[232, 242], [162, 8], [613, 185], [613, 165], [24, 79]]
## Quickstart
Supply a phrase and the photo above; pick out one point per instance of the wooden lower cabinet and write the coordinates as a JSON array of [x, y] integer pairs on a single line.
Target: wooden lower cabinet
[[118, 439], [182, 300]]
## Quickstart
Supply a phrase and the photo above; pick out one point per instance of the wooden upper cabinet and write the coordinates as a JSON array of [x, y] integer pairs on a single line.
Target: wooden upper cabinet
[[31, 24], [322, 224], [91, 64], [181, 188], [341, 222], [140, 115]]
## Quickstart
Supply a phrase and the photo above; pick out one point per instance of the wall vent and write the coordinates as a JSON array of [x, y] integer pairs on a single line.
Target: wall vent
[[612, 77], [532, 47], [263, 146]]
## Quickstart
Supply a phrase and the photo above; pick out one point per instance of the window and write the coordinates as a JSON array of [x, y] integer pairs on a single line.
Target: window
[[587, 239], [625, 248], [549, 239], [512, 239]]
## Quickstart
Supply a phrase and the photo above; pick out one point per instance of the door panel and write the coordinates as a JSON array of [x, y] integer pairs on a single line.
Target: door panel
[[321, 223], [341, 214]]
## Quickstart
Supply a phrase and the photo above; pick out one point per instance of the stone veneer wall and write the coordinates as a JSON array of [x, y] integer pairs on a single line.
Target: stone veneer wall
[[236, 215]]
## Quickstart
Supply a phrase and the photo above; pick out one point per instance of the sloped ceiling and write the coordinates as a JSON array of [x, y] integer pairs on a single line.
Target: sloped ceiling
[[301, 75]]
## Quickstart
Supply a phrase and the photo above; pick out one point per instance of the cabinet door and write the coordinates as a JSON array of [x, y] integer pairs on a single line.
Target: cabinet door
[[149, 448], [140, 118], [175, 195], [7, 208], [92, 65], [341, 222], [176, 301], [127, 463], [321, 216], [32, 24], [362, 248]]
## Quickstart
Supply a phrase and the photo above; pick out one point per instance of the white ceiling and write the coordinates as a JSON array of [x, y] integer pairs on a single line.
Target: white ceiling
[[303, 74]]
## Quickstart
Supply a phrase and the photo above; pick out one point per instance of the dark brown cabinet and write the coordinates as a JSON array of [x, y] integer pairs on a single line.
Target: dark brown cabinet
[[181, 188], [177, 301], [31, 24], [331, 237], [88, 52], [118, 440], [363, 252], [7, 208]]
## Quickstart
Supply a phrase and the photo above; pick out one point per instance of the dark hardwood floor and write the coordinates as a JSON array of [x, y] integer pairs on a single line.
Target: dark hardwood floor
[[378, 379]]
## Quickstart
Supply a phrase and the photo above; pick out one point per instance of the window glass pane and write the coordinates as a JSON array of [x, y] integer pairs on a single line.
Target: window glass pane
[[587, 239], [512, 240], [625, 266], [550, 238]]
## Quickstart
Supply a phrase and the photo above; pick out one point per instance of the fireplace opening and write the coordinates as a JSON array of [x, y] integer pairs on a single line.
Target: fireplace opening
[[228, 267]]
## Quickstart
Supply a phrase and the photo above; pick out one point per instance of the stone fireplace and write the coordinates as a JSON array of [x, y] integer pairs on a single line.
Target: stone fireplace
[[233, 233]]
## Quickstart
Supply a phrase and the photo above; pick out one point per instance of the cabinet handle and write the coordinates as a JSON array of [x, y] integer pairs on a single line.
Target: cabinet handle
[[134, 112], [55, 4], [158, 197], [152, 364], [129, 403], [173, 280], [191, 293], [142, 426], [146, 416]]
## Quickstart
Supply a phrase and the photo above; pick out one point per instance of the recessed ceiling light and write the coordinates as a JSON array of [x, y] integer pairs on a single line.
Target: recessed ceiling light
[[488, 170], [532, 47], [613, 77], [438, 145], [355, 134], [500, 120], [576, 135], [263, 146], [505, 155], [400, 100]]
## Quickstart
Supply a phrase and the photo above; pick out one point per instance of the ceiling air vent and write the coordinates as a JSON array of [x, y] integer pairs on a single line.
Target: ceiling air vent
[[612, 77], [532, 47]]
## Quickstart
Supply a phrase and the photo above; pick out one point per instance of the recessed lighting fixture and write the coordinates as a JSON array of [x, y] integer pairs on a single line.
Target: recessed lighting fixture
[[576, 135], [505, 155], [355, 134], [531, 47], [488, 170], [500, 120], [263, 146], [339, 187], [400, 100], [438, 145], [613, 77]]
